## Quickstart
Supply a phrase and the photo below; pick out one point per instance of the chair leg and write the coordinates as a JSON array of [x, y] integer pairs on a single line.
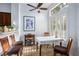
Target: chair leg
[[67, 54], [54, 53], [53, 45], [17, 54], [21, 51]]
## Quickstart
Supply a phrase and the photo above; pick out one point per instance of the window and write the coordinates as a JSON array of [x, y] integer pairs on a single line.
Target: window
[[58, 22], [58, 26]]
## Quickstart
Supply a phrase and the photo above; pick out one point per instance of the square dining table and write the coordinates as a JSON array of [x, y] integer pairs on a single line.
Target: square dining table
[[46, 40]]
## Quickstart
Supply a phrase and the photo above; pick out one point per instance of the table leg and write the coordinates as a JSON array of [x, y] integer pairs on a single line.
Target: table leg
[[40, 50], [37, 46], [21, 51], [53, 45], [60, 43]]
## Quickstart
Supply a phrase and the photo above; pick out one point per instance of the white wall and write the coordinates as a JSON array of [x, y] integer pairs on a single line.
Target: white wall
[[40, 21], [15, 18], [5, 7], [72, 19], [77, 25]]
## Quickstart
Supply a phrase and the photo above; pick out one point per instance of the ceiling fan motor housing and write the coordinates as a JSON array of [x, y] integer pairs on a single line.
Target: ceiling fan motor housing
[[38, 11]]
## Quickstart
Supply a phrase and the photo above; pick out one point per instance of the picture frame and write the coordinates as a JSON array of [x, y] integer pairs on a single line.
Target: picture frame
[[28, 23]]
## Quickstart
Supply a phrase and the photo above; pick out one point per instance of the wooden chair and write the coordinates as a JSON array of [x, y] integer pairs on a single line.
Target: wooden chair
[[7, 49], [17, 43], [14, 42], [5, 44], [30, 39], [63, 50], [46, 33]]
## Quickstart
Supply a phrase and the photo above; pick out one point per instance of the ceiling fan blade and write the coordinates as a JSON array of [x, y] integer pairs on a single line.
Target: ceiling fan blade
[[39, 5], [31, 9], [43, 8], [31, 6]]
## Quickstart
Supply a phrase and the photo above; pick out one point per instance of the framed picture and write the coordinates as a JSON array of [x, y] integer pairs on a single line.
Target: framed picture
[[28, 23]]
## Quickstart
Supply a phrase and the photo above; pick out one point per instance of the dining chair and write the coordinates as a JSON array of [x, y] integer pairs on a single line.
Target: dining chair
[[16, 43], [63, 50], [7, 49], [5, 44], [29, 39], [46, 33]]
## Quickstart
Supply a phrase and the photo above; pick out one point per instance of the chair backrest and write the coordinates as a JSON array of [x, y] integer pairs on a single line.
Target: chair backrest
[[69, 44], [29, 36], [5, 44], [13, 39], [46, 33]]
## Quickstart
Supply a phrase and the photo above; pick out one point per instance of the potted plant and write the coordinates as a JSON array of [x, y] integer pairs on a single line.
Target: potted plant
[[10, 28]]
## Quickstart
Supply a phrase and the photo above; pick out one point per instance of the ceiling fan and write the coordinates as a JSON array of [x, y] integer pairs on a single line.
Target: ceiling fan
[[38, 7]]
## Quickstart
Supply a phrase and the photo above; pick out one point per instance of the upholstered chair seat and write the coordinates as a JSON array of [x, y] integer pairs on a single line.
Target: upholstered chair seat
[[63, 50], [60, 49]]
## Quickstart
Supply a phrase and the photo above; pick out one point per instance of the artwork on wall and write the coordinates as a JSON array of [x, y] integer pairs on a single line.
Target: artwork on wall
[[28, 23]]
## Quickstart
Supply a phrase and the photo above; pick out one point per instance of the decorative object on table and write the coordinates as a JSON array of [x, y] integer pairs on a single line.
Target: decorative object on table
[[5, 29], [28, 23], [11, 27]]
